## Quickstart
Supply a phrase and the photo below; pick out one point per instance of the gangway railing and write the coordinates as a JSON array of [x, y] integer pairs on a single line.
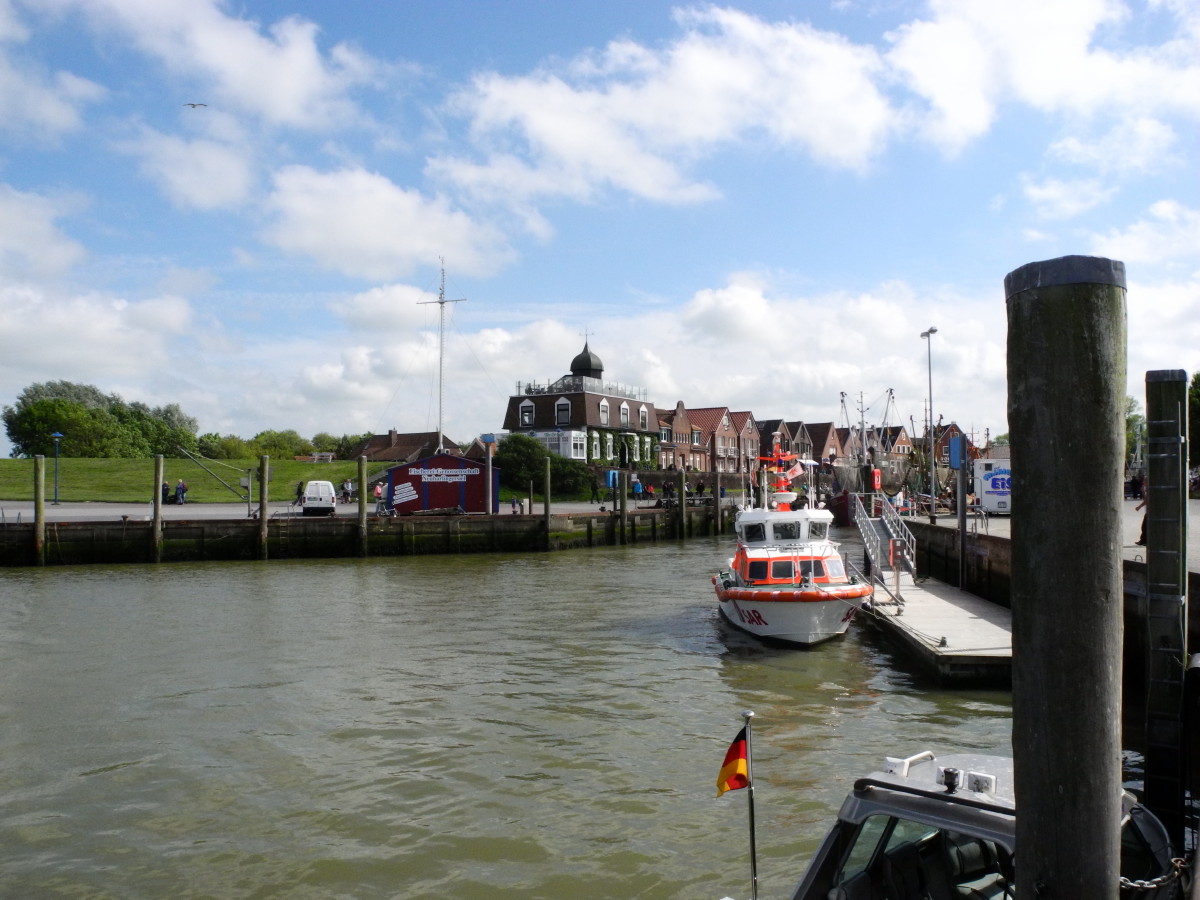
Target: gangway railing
[[881, 551], [906, 543], [872, 539]]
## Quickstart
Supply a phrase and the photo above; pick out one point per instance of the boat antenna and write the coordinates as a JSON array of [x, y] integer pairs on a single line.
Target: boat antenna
[[441, 301]]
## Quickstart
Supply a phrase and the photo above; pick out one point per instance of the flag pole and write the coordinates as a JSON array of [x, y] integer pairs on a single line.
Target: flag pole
[[749, 714]]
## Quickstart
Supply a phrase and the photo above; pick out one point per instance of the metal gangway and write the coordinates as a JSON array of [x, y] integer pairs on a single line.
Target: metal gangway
[[889, 545]]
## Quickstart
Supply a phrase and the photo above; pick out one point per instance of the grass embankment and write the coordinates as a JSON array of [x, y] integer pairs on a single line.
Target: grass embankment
[[132, 480]]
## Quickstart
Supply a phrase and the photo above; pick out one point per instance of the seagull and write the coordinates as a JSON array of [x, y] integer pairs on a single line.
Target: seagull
[[194, 105]]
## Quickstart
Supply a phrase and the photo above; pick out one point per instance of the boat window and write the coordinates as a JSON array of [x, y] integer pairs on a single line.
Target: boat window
[[781, 569], [755, 531], [859, 856], [812, 567], [818, 531], [757, 570], [834, 568], [786, 531], [910, 832]]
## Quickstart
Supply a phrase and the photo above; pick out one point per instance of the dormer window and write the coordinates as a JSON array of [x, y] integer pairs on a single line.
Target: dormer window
[[526, 413], [643, 419], [562, 411], [604, 412], [624, 415]]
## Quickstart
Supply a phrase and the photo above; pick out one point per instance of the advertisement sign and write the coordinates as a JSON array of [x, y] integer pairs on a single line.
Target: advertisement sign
[[441, 482], [993, 485]]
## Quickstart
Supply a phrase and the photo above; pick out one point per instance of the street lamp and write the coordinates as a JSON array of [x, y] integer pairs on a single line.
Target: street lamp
[[928, 336], [58, 435]]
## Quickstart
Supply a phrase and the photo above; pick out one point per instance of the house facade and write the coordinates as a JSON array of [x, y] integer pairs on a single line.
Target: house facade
[[585, 417]]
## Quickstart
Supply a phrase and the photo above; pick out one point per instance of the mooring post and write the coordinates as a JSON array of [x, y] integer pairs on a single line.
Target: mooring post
[[363, 540], [1066, 396], [681, 503], [156, 525], [623, 490], [1166, 594], [545, 503], [39, 510], [264, 514]]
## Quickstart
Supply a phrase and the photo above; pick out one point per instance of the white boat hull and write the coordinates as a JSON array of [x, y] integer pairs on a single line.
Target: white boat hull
[[802, 623]]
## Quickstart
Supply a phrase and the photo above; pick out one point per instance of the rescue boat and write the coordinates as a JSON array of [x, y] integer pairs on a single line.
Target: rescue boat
[[787, 581]]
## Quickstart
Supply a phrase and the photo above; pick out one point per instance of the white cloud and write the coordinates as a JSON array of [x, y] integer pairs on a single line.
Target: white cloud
[[384, 310], [93, 338], [1168, 231], [198, 173], [34, 103], [31, 244], [965, 59], [631, 118], [1057, 199], [364, 225], [1141, 144], [279, 74]]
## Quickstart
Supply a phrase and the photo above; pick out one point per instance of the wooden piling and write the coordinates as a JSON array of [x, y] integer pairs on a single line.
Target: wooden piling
[[1066, 396], [264, 515], [363, 540], [39, 510], [156, 530]]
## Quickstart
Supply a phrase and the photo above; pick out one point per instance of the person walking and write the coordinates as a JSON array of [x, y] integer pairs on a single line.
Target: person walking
[[180, 492]]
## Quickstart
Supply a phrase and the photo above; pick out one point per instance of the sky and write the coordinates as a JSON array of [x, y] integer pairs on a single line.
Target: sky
[[758, 205]]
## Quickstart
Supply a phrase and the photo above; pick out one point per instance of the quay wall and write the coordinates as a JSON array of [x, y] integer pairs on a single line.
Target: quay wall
[[296, 537]]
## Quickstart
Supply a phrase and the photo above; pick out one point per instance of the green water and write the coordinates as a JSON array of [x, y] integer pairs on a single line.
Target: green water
[[452, 727]]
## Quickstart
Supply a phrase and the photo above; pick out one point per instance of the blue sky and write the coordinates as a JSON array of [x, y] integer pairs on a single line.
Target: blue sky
[[759, 205]]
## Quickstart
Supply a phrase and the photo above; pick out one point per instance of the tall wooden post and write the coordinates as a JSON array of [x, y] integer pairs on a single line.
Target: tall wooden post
[[681, 505], [622, 506], [39, 510], [363, 540], [264, 513], [545, 503], [1066, 394], [156, 525], [1166, 594]]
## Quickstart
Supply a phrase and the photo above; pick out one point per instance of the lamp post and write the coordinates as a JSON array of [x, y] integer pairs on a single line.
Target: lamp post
[[57, 437], [928, 336]]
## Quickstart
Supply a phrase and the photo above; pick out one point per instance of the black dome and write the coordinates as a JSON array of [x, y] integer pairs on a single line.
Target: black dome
[[587, 364]]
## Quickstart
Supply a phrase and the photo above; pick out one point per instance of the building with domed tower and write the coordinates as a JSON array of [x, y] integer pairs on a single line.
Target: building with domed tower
[[586, 417]]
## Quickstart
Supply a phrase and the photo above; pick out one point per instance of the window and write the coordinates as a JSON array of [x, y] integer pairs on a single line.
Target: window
[[608, 447], [781, 569], [595, 445], [624, 415], [643, 419], [786, 531], [755, 532], [637, 450], [604, 413], [562, 411], [527, 412], [578, 445], [757, 570], [664, 435]]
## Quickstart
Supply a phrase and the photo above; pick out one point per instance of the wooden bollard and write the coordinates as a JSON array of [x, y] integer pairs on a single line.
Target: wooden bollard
[[1066, 396]]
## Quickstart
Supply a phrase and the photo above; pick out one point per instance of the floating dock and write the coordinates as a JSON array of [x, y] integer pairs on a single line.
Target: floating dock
[[955, 636]]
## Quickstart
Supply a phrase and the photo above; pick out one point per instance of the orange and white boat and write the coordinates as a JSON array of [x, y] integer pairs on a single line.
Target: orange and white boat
[[787, 581]]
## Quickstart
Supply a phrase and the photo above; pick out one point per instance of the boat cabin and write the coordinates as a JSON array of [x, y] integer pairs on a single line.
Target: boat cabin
[[786, 548], [931, 826], [765, 528]]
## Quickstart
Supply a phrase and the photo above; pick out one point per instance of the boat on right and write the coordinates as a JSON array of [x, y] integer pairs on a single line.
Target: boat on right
[[945, 827]]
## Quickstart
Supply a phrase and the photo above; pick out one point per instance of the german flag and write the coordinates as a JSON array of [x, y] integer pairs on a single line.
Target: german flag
[[735, 772]]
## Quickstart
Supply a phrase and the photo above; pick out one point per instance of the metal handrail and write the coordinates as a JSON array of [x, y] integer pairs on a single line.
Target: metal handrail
[[899, 532]]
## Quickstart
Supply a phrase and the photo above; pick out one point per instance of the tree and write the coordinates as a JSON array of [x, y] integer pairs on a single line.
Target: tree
[[520, 459], [94, 424], [281, 444], [1134, 423]]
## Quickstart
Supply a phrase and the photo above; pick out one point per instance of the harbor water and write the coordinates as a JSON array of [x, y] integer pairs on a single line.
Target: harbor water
[[546, 726]]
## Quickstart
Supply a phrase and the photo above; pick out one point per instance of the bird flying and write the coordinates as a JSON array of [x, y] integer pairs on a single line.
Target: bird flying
[[194, 105]]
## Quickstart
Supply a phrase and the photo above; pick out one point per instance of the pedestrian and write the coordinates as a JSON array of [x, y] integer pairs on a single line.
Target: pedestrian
[[514, 506], [595, 489], [700, 488], [180, 492], [166, 493], [380, 506], [299, 493], [637, 490]]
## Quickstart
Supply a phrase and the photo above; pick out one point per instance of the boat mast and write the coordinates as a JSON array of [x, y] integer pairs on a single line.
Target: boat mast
[[441, 301]]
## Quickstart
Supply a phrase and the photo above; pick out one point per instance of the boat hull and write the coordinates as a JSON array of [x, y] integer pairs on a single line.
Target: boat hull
[[802, 617]]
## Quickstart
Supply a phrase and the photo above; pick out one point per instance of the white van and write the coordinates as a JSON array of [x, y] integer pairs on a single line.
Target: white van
[[319, 499]]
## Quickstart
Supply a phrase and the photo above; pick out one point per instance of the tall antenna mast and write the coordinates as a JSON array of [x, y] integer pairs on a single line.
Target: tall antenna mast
[[441, 301]]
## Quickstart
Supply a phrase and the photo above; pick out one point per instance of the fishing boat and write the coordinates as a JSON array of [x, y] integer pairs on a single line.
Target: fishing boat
[[929, 826], [787, 581]]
